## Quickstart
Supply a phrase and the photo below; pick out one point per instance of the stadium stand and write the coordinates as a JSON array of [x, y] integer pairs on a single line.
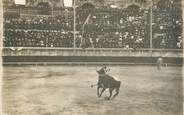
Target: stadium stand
[[106, 28]]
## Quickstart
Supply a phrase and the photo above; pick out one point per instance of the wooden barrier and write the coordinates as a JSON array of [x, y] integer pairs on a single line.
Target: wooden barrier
[[106, 52]]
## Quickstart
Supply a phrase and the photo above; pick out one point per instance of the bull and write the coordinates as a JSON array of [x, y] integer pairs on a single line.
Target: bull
[[107, 82]]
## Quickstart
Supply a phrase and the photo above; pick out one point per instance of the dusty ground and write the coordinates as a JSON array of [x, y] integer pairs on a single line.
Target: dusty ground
[[65, 90]]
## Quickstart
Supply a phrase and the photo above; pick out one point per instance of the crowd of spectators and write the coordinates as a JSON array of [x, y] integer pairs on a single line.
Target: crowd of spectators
[[41, 23], [105, 28], [38, 38]]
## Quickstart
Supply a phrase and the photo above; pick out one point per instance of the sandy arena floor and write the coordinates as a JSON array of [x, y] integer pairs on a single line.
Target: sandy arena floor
[[65, 90]]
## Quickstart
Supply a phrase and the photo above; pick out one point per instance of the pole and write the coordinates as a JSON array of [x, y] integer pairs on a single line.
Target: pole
[[151, 24], [83, 27], [74, 23], [52, 12], [82, 40]]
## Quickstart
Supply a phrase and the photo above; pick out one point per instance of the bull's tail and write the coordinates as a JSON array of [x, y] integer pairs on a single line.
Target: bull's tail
[[117, 88], [119, 85]]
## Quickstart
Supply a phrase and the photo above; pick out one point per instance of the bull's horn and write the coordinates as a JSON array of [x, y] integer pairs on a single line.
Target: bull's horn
[[96, 68]]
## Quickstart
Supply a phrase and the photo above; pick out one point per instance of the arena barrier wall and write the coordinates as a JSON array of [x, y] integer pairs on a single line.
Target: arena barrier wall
[[90, 56]]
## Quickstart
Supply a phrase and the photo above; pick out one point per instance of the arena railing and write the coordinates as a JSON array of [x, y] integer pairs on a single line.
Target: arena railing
[[94, 49], [117, 52]]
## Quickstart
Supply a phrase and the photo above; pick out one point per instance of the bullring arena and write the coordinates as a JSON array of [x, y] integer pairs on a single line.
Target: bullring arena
[[64, 88], [52, 51]]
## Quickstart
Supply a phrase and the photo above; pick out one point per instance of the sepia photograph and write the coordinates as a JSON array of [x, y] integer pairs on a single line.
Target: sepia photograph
[[91, 57]]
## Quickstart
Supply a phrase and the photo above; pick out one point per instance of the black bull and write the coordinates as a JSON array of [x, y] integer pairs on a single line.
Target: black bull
[[105, 81]]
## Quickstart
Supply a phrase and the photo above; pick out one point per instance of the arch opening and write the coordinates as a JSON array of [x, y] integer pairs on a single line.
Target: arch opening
[[44, 5]]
